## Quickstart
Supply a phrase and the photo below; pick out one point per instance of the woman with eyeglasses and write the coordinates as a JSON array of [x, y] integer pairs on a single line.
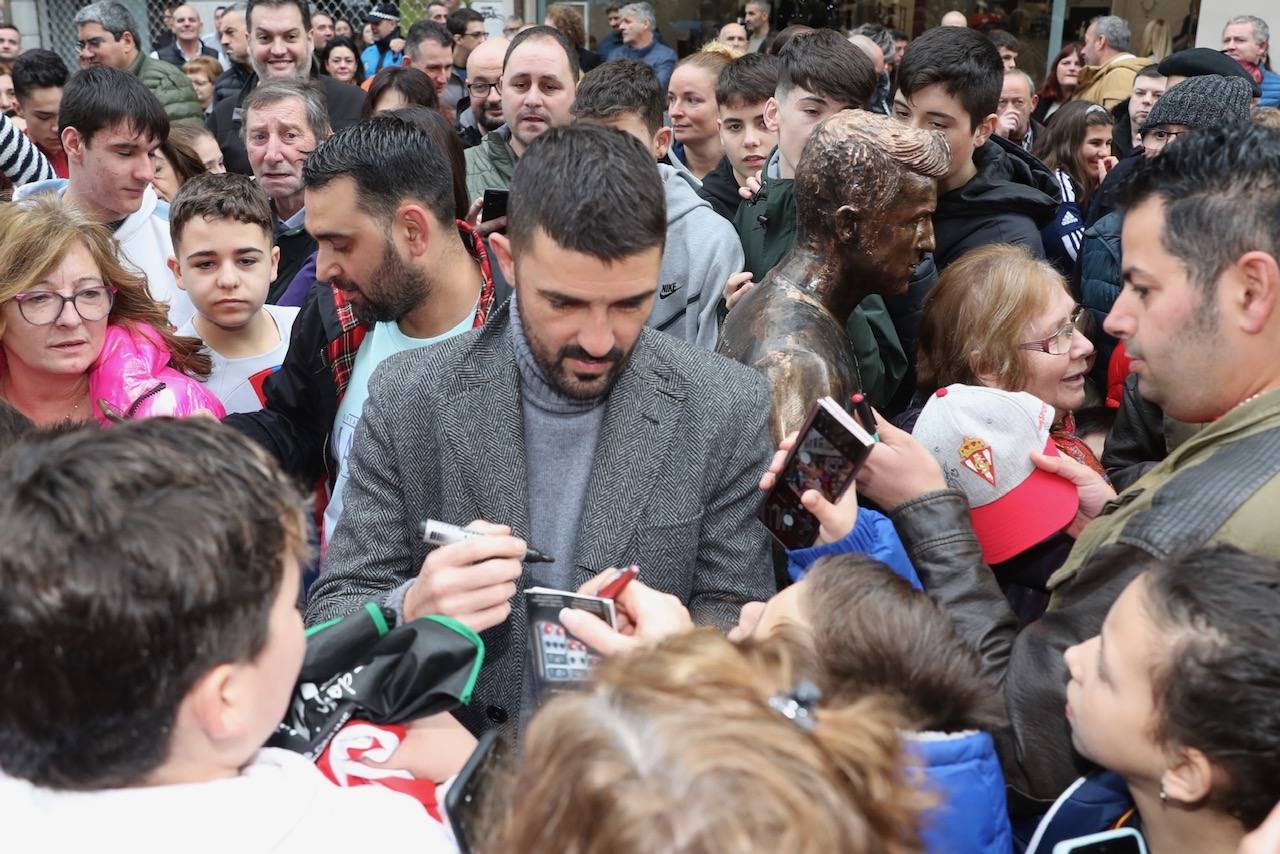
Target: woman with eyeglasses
[[81, 339], [1001, 318]]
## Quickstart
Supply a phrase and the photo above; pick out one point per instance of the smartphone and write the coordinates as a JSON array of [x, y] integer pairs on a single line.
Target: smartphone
[[464, 801], [1126, 840], [495, 205], [830, 449]]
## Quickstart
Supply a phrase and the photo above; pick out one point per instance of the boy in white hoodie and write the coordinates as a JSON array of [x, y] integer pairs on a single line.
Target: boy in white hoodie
[[702, 249], [151, 643]]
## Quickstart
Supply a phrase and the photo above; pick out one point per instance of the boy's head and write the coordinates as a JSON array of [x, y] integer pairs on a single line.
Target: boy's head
[[950, 80], [224, 257], [743, 89], [625, 95], [819, 74], [149, 622], [39, 77], [871, 633]]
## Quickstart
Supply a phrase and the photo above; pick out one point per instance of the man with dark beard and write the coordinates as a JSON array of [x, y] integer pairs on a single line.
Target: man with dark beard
[[565, 423], [396, 272]]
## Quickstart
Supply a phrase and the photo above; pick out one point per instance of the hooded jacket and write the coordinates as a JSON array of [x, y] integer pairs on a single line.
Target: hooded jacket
[[963, 770], [1110, 83], [170, 86], [133, 377], [145, 245], [490, 164], [1009, 200], [701, 253], [281, 803]]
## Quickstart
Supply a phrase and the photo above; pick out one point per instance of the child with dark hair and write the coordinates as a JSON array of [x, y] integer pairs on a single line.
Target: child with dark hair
[[949, 80], [743, 89], [1178, 695], [151, 643]]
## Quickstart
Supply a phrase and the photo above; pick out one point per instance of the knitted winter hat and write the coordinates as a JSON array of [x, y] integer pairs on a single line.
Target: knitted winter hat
[[1202, 102]]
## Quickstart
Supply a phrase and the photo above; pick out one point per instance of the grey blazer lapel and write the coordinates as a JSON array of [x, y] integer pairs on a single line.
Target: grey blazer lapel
[[485, 430], [640, 422]]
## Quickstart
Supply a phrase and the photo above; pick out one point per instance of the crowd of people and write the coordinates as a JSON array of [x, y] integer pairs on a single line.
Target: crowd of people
[[272, 297]]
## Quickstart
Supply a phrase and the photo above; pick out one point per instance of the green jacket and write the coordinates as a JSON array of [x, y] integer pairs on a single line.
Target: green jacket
[[490, 164], [171, 86], [766, 226]]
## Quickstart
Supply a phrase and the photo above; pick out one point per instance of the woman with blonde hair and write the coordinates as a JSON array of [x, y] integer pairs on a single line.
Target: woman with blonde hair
[[699, 745], [81, 338], [1156, 41], [1002, 318], [691, 104]]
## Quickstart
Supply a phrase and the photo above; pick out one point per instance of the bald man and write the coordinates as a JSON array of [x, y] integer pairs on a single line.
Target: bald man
[[880, 99], [734, 35], [955, 19], [186, 44], [484, 68]]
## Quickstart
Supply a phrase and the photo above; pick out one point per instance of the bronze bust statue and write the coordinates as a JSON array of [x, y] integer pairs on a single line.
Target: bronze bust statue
[[865, 192]]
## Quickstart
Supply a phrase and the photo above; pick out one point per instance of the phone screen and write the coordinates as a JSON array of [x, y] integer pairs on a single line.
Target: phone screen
[[1121, 841], [466, 798], [495, 205]]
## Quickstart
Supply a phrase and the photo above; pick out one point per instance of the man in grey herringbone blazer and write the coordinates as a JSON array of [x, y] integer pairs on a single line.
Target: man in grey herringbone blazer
[[669, 472]]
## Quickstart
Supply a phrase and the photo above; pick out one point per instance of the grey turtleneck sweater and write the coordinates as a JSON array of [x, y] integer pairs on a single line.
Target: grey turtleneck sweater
[[560, 434]]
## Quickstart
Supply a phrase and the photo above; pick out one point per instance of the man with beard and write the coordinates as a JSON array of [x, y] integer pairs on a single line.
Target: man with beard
[[564, 423], [397, 273], [484, 70], [539, 81], [279, 47]]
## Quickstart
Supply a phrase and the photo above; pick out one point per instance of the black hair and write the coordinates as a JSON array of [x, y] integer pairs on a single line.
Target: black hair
[[426, 30], [13, 424], [301, 5], [1221, 192], [38, 69], [447, 138], [390, 160], [621, 86], [411, 83], [1217, 685], [749, 79], [95, 99], [825, 63], [459, 19], [615, 209], [1094, 419], [545, 32], [1152, 70], [900, 36], [1004, 39], [964, 61], [226, 196], [342, 41], [134, 560]]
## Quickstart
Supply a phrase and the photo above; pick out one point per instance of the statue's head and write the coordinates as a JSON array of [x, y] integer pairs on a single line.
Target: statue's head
[[865, 193]]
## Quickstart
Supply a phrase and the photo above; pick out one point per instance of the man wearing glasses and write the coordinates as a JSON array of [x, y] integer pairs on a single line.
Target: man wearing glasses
[[484, 70], [466, 26]]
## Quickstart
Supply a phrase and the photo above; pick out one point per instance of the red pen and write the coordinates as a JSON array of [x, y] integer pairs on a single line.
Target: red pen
[[614, 588]]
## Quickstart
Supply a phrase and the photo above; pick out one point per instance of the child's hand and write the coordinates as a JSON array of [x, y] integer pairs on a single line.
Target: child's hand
[[835, 520], [736, 288], [752, 187], [654, 615], [434, 748]]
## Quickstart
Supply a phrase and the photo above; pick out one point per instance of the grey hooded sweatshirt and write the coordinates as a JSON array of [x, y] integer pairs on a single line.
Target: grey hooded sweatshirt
[[702, 252]]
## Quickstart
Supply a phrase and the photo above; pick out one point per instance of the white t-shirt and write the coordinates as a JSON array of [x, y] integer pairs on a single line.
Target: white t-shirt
[[238, 382], [383, 341], [280, 803]]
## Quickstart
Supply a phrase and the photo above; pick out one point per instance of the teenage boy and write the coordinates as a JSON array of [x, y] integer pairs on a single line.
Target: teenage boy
[[224, 259], [994, 192], [743, 89], [112, 125], [820, 74], [701, 251], [150, 624], [39, 77]]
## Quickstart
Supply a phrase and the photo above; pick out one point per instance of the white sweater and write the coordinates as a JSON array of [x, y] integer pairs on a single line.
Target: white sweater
[[280, 804]]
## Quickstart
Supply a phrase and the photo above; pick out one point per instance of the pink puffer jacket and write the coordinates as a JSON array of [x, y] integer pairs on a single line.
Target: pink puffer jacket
[[132, 379]]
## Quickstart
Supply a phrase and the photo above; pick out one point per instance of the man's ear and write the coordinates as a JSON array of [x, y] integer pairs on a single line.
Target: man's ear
[[1035, 101], [662, 142], [848, 225], [415, 227], [127, 38], [984, 130], [275, 262], [176, 269], [771, 114], [501, 245], [1189, 779], [1256, 276], [73, 144]]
